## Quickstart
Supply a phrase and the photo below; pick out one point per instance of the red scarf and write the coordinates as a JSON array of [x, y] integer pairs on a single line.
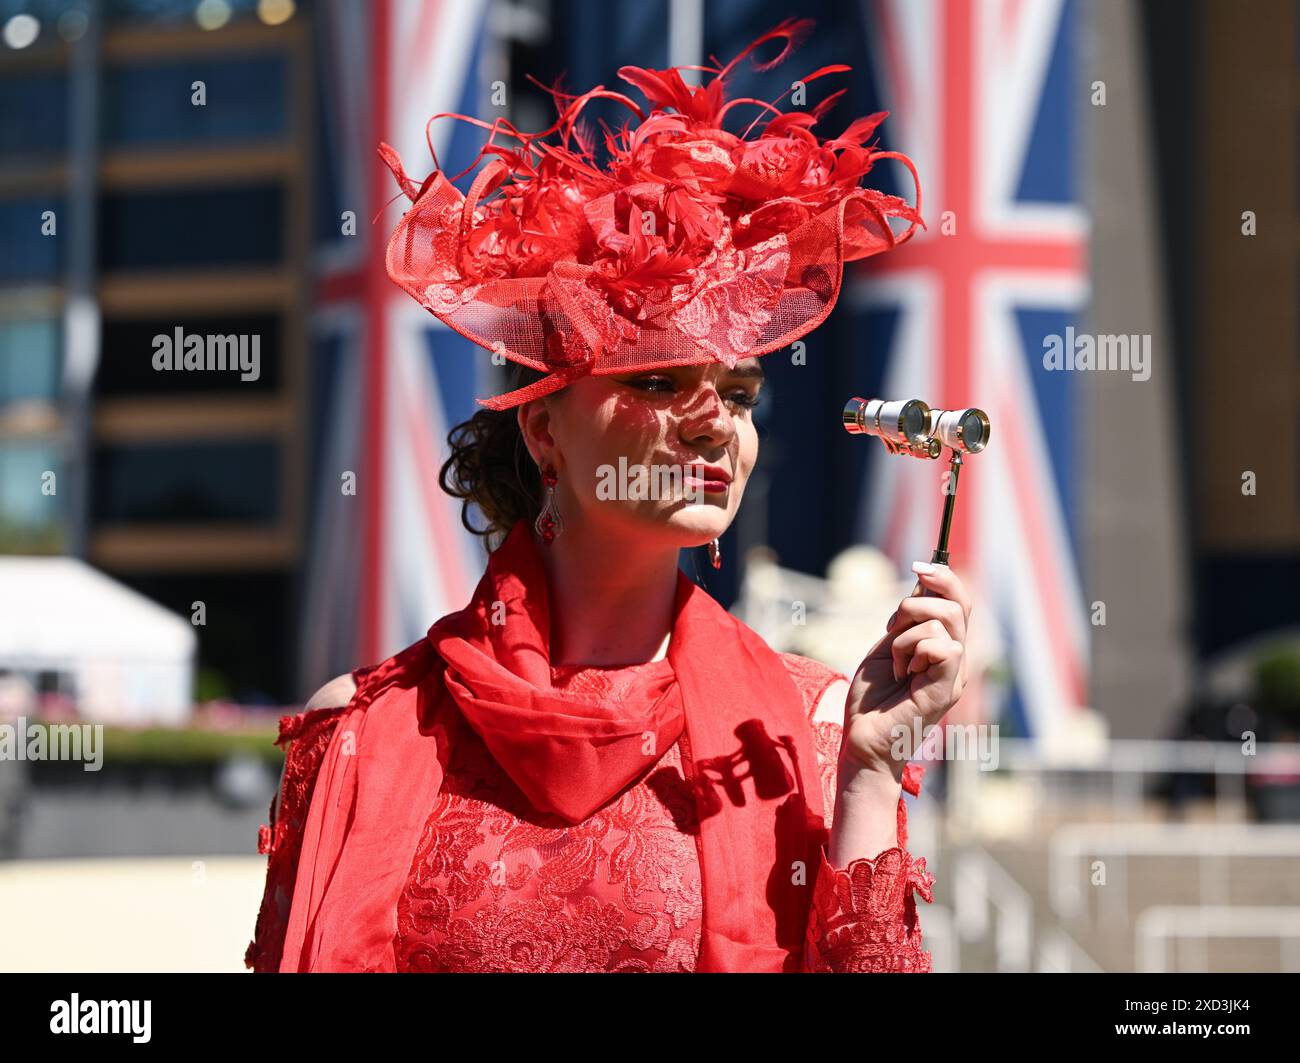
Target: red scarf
[[746, 749]]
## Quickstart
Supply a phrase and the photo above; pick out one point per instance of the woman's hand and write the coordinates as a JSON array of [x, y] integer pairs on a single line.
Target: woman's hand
[[916, 671]]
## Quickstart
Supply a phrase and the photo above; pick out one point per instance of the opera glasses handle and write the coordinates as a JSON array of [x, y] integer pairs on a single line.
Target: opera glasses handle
[[912, 427]]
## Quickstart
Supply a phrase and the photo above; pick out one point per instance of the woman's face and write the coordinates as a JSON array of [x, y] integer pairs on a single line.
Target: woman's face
[[628, 449]]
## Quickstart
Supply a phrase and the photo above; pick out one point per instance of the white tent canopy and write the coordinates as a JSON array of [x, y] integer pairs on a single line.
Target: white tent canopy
[[129, 659]]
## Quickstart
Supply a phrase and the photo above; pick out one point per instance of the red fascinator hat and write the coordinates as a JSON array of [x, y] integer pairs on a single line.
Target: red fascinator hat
[[693, 244]]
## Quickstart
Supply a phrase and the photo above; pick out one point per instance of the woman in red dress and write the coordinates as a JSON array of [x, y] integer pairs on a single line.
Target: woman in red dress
[[593, 766]]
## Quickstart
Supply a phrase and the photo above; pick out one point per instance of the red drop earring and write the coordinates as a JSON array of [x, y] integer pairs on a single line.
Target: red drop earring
[[548, 523], [715, 553]]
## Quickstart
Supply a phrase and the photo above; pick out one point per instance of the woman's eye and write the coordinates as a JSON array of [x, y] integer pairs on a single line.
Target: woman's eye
[[662, 384], [652, 383]]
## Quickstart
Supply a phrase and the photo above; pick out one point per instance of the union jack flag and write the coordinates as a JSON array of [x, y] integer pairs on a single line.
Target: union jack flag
[[387, 554], [981, 95]]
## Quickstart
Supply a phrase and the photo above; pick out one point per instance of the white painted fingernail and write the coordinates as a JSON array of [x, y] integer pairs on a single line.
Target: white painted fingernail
[[923, 568]]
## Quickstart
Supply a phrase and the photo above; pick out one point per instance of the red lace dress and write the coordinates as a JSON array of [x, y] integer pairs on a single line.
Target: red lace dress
[[490, 889]]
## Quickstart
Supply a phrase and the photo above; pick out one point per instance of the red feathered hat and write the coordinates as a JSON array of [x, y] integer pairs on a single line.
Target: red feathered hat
[[692, 245]]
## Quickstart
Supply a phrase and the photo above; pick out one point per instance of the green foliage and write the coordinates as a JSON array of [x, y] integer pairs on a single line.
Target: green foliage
[[184, 745], [1277, 683], [46, 539], [211, 685]]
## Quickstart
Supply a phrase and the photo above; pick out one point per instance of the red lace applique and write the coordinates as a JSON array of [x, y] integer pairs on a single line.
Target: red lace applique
[[864, 916], [728, 314], [304, 737]]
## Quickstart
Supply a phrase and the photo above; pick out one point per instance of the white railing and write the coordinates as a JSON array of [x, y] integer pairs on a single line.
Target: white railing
[[1128, 761], [1058, 953], [938, 937], [1157, 926], [982, 887], [1212, 845], [1117, 769]]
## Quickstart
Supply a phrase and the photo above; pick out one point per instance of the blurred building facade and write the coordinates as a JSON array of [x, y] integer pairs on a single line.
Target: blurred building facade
[[1242, 293], [175, 161]]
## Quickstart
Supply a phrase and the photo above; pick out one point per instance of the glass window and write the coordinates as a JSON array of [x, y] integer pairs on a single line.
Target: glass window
[[30, 360], [174, 12], [127, 355], [178, 481], [244, 100], [33, 114], [29, 253], [29, 514], [191, 227]]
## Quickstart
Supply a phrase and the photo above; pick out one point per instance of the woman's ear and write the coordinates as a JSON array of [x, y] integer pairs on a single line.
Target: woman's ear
[[534, 419]]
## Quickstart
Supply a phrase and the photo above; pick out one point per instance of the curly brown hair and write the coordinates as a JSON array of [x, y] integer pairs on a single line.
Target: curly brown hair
[[489, 467]]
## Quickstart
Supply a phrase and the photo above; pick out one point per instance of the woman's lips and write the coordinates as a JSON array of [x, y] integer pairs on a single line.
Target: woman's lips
[[695, 483], [708, 478]]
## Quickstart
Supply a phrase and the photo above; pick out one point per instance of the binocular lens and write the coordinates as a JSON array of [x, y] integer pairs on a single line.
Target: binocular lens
[[914, 421], [966, 430], [972, 430]]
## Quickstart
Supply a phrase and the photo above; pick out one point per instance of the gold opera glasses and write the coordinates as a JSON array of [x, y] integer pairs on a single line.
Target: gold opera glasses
[[910, 427]]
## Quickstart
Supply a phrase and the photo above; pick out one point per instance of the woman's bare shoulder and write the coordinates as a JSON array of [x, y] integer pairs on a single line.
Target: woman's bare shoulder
[[410, 664], [334, 694]]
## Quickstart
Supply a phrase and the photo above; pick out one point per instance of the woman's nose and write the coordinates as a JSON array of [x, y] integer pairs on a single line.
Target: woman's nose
[[706, 418]]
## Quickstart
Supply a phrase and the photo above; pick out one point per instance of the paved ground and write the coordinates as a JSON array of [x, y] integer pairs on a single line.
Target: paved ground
[[153, 914]]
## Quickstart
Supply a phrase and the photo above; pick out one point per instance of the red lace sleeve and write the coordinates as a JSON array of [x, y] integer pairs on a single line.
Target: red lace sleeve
[[863, 918], [304, 737]]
